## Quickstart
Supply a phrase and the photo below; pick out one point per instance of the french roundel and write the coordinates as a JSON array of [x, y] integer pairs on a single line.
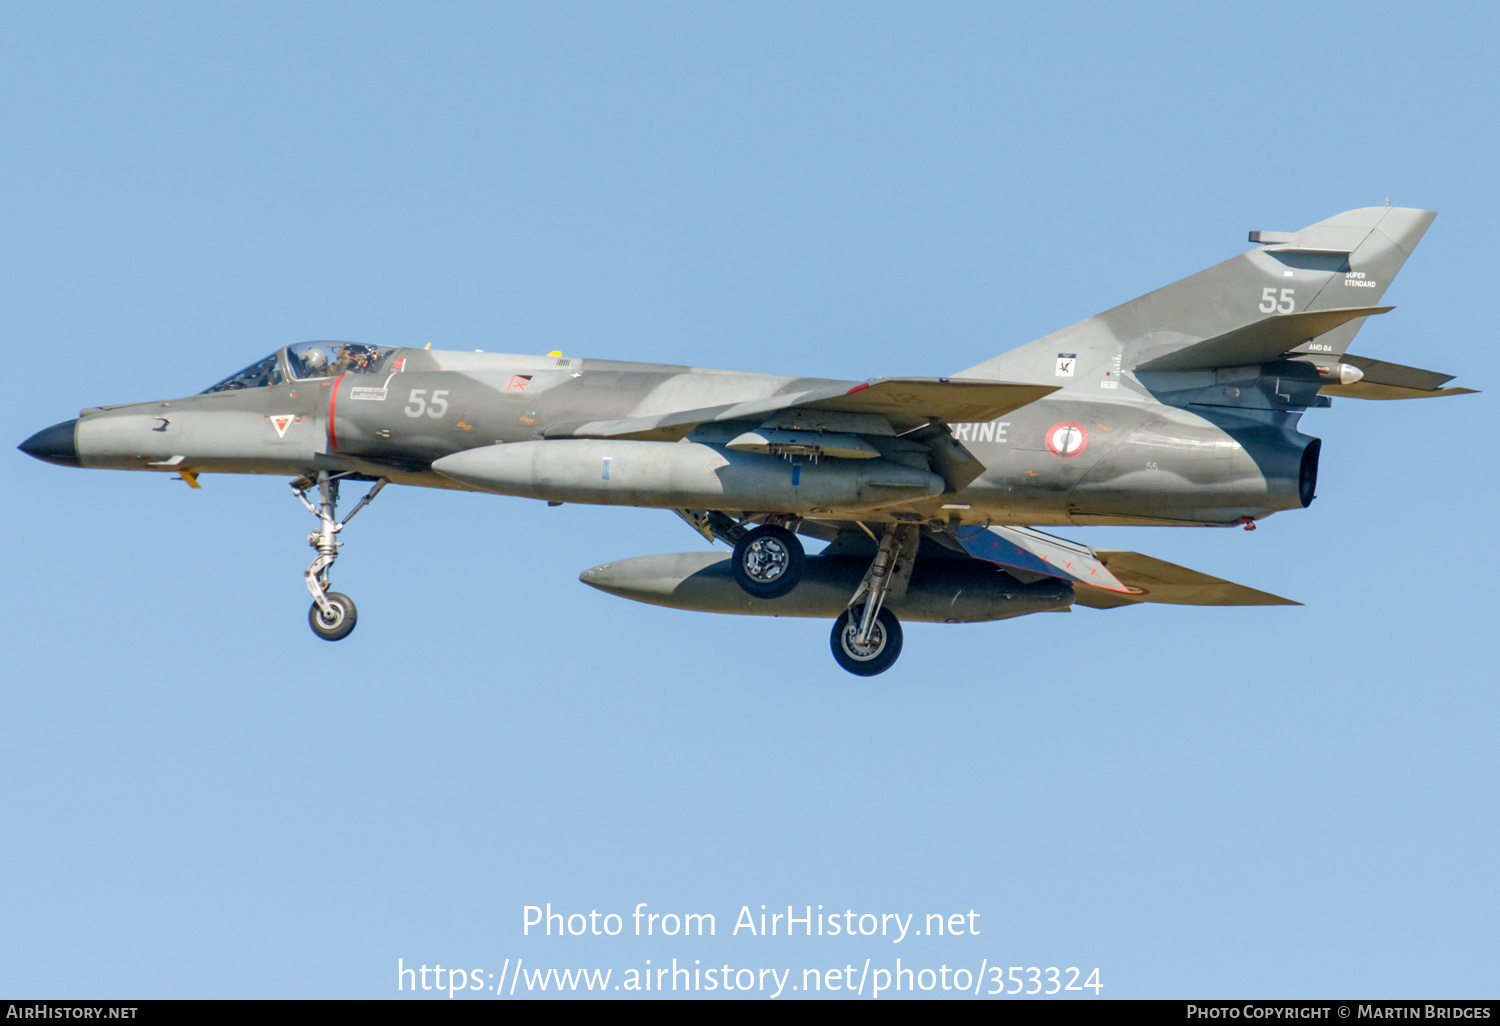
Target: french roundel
[[1067, 440]]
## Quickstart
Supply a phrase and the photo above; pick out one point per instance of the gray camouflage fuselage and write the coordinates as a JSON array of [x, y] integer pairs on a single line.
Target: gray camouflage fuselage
[[1131, 436], [1141, 461]]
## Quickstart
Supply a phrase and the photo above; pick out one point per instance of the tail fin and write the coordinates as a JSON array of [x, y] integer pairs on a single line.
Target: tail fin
[[1334, 268], [1379, 240]]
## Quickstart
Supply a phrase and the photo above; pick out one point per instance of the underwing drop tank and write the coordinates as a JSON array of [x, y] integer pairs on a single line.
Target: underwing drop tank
[[685, 475]]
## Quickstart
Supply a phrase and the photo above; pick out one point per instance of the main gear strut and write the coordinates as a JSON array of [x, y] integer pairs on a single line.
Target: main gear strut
[[866, 639], [888, 573], [332, 615]]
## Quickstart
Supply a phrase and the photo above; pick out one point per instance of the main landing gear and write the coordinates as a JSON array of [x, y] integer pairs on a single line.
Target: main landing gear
[[768, 561], [332, 615], [877, 653], [866, 637]]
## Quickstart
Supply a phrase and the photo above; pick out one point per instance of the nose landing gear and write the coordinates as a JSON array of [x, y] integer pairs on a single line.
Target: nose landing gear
[[338, 621], [332, 615]]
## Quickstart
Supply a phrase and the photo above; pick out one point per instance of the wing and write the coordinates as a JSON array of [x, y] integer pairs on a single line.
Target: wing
[[905, 404], [1155, 580], [1113, 578]]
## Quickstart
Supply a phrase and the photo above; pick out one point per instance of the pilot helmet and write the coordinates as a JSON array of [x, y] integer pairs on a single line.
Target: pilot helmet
[[315, 360]]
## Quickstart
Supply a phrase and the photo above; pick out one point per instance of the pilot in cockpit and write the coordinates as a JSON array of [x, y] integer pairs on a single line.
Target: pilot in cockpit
[[331, 359], [314, 363]]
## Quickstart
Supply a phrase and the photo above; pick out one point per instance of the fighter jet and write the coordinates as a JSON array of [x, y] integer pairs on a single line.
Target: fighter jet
[[1178, 408]]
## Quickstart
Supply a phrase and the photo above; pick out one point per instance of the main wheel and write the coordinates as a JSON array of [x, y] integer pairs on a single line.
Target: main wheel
[[332, 628], [879, 654], [768, 562]]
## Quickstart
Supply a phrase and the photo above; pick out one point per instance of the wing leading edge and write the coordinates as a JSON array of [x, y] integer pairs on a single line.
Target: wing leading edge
[[907, 403]]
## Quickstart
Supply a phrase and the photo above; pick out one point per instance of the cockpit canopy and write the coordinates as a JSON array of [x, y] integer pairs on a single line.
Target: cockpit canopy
[[257, 375], [330, 359], [308, 360]]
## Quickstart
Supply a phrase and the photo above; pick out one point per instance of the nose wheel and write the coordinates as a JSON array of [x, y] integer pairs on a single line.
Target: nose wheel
[[337, 621], [333, 614]]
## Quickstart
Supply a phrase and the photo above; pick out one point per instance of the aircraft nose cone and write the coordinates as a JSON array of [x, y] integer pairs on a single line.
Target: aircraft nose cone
[[598, 577], [54, 444]]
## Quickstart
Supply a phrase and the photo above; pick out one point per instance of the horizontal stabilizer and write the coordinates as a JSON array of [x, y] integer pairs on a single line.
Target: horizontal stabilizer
[[1021, 548], [1154, 580], [907, 403], [1257, 343], [1393, 381]]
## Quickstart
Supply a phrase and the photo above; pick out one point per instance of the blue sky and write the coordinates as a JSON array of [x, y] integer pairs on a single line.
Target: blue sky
[[202, 799]]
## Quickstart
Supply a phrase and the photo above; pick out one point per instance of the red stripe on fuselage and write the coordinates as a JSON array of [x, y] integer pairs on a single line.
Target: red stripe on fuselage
[[333, 438]]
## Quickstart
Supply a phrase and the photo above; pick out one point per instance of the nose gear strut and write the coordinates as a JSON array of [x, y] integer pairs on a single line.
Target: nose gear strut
[[332, 615]]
